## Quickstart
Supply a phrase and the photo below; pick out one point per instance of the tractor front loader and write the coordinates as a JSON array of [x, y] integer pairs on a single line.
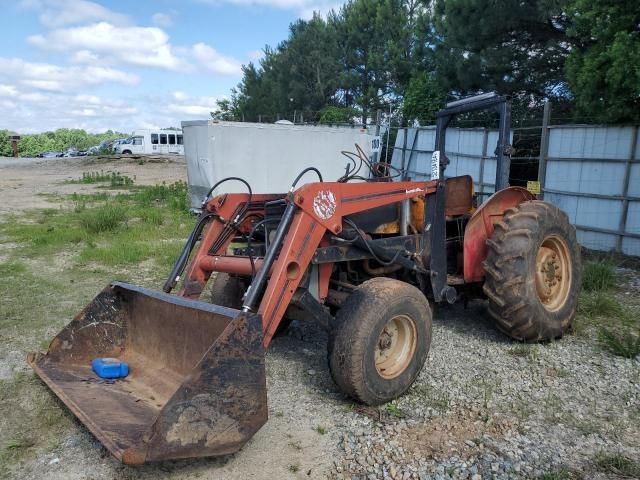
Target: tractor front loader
[[366, 257]]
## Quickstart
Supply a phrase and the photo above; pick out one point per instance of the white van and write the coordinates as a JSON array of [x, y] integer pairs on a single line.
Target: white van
[[152, 142]]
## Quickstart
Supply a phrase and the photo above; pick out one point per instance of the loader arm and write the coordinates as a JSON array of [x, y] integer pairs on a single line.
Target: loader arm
[[316, 209]]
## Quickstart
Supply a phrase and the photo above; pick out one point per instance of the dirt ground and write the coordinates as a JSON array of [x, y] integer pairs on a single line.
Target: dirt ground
[[27, 183], [288, 442], [483, 407]]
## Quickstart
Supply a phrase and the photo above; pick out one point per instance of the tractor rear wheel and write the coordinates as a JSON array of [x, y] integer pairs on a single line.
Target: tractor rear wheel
[[533, 272], [379, 340]]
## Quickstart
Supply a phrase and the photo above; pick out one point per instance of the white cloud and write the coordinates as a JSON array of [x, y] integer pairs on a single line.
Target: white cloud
[[86, 57], [104, 43], [45, 76], [210, 60], [52, 110], [59, 13], [162, 19], [96, 113], [146, 46], [8, 90], [304, 8], [192, 107]]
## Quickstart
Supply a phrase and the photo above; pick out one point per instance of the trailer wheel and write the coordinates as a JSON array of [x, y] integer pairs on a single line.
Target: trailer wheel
[[533, 272], [379, 340]]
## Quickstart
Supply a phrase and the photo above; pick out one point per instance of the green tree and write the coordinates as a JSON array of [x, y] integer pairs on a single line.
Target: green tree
[[376, 40], [423, 98], [332, 115], [603, 69], [5, 144], [513, 47]]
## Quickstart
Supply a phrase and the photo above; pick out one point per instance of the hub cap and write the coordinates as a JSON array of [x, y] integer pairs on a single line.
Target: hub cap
[[396, 346], [553, 273]]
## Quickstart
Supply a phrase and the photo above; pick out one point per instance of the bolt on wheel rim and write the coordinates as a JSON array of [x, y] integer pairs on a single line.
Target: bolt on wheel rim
[[395, 346], [553, 273]]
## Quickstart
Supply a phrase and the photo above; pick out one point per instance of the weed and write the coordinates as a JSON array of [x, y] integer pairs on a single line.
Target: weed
[[561, 474], [294, 468], [114, 179], [557, 372], [153, 217], [320, 429], [393, 410], [598, 275], [623, 342], [524, 350], [598, 304], [106, 218], [617, 464], [295, 445]]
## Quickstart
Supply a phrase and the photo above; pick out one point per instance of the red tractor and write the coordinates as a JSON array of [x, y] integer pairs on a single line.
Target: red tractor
[[366, 257]]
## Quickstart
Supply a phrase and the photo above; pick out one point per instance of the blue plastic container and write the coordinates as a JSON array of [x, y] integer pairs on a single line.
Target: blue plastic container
[[110, 367]]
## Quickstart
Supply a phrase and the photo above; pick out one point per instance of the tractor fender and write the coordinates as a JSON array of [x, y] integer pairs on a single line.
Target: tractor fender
[[480, 227]]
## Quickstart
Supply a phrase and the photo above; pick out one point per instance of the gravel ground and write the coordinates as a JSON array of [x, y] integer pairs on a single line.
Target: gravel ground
[[483, 407]]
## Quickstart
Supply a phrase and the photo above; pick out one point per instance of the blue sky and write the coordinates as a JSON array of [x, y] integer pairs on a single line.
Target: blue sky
[[130, 64]]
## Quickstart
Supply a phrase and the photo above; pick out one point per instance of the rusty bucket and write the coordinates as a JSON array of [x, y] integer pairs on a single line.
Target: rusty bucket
[[196, 385]]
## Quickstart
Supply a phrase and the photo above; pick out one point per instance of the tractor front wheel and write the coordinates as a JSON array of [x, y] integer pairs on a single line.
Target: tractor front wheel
[[380, 340], [227, 291], [533, 272]]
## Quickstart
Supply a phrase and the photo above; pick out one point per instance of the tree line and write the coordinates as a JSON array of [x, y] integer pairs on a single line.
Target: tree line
[[31, 145], [412, 55]]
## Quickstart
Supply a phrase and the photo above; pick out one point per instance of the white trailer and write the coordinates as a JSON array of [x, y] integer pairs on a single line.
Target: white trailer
[[268, 156], [152, 142]]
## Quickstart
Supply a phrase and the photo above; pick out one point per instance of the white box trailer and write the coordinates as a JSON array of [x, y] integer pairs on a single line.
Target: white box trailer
[[268, 156]]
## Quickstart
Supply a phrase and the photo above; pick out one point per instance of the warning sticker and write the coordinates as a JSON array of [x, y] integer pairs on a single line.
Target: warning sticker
[[435, 165], [533, 187]]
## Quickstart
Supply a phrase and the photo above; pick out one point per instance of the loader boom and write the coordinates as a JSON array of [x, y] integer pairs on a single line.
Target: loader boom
[[313, 211]]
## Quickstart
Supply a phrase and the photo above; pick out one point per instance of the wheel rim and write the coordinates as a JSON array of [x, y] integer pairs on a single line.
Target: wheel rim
[[395, 346], [553, 273]]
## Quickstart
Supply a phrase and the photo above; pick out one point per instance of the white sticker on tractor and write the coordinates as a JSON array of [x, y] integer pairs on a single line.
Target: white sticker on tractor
[[324, 204], [435, 165]]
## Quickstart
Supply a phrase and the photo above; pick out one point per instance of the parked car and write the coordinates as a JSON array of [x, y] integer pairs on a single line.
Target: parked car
[[50, 154], [117, 142], [71, 152]]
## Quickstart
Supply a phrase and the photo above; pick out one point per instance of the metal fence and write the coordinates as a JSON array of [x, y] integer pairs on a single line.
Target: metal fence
[[591, 172]]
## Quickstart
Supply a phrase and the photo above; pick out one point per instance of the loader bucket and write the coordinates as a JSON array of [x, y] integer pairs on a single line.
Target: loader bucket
[[196, 385]]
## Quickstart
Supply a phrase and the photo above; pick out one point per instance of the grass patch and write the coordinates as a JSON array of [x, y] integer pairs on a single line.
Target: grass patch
[[114, 179], [561, 474], [599, 304], [42, 420], [617, 464], [147, 222], [623, 342], [106, 218], [598, 275], [524, 350], [394, 410], [320, 429]]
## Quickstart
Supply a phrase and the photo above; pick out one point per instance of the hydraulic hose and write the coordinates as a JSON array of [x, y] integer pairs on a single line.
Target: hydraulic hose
[[182, 260]]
